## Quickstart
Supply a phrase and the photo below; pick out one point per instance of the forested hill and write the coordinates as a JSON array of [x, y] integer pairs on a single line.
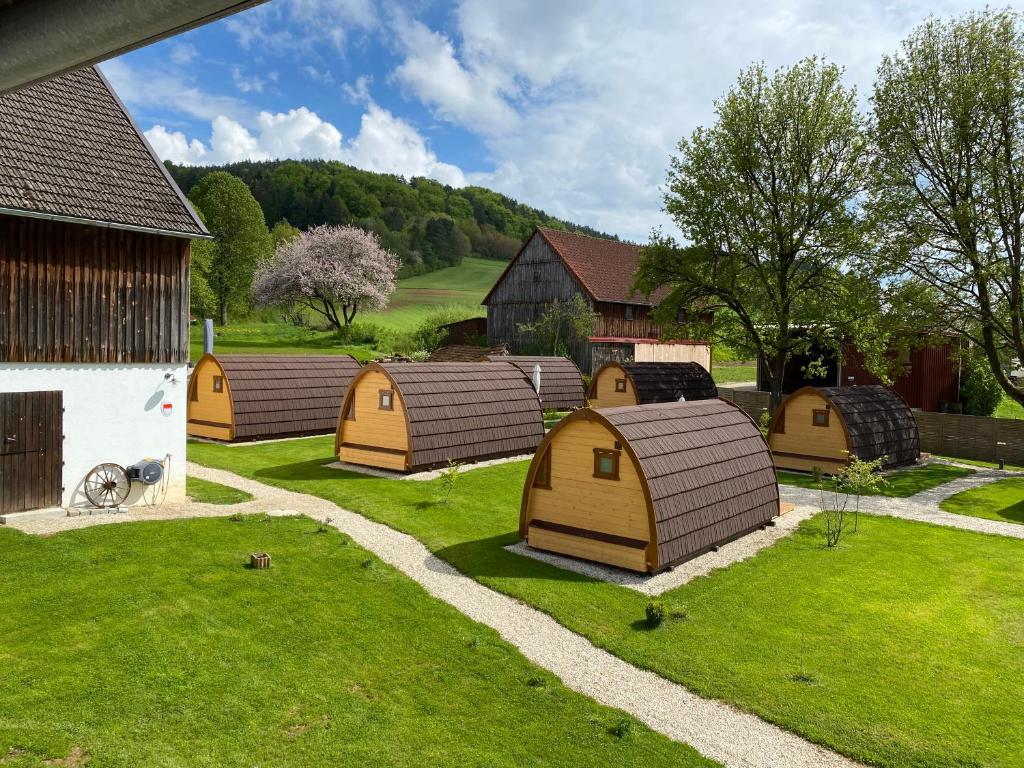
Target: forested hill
[[427, 224]]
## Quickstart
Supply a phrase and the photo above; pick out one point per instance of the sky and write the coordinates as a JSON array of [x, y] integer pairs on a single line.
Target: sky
[[572, 106]]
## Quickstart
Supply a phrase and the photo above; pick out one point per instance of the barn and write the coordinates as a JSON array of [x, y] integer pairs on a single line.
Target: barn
[[412, 416], [644, 487], [617, 384], [94, 297], [561, 384], [554, 265], [261, 397], [824, 426]]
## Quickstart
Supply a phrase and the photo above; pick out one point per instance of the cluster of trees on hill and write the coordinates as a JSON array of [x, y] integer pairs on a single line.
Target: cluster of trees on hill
[[427, 225], [809, 222]]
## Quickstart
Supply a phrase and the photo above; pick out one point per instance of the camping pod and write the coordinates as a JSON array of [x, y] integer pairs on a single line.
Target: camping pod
[[561, 384], [644, 487], [617, 384], [260, 397], [822, 427], [411, 416]]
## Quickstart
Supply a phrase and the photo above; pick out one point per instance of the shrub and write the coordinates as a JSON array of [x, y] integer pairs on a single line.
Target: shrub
[[655, 611], [429, 335], [980, 392], [449, 478], [621, 729]]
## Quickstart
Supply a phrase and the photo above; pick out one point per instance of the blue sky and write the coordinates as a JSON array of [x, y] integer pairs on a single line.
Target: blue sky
[[573, 106]]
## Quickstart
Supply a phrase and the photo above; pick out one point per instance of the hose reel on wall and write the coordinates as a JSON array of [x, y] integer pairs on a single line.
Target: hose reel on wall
[[108, 485]]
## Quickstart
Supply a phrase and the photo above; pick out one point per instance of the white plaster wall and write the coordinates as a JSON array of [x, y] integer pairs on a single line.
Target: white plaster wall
[[114, 412]]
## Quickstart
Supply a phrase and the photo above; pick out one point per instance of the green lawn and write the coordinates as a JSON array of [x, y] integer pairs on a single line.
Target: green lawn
[[1009, 409], [903, 647], [152, 645], [733, 374], [461, 288], [208, 492], [899, 484], [1002, 500]]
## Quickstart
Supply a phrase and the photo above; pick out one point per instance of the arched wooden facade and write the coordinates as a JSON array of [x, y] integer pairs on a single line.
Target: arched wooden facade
[[823, 426], [561, 384], [410, 416], [258, 397], [645, 487], [619, 384]]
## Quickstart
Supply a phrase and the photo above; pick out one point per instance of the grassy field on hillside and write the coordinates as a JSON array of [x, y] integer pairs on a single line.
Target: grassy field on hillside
[[460, 288], [151, 644], [900, 648]]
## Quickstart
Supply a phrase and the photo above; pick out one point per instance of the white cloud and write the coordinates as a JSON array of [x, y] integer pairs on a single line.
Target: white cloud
[[246, 83], [384, 143], [294, 25], [600, 92], [474, 97], [183, 53]]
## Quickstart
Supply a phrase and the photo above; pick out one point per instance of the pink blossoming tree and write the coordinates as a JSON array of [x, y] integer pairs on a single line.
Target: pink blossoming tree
[[333, 270]]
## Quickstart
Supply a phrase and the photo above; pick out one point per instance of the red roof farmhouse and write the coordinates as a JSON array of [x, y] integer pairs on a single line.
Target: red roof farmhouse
[[94, 267], [555, 265]]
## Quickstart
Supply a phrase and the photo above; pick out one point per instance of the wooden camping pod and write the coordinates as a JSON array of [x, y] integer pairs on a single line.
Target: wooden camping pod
[[646, 486], [561, 384], [256, 397], [617, 384], [410, 416], [822, 427]]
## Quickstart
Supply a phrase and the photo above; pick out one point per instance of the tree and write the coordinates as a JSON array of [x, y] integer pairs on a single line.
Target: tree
[[560, 323], [241, 240], [202, 301], [327, 269], [767, 198], [948, 179], [980, 392], [282, 232]]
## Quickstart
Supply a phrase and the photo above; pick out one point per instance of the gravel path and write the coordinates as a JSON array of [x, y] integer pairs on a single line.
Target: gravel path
[[656, 584], [924, 507], [716, 730]]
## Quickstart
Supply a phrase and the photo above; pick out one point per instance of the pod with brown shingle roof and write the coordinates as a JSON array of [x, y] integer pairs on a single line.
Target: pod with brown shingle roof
[[411, 416], [824, 426], [618, 384], [561, 383], [260, 397], [645, 487]]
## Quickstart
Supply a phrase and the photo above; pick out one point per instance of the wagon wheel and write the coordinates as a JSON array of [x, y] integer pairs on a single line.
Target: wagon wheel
[[107, 485]]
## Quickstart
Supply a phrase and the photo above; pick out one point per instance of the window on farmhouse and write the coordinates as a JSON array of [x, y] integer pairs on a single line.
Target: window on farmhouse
[[629, 312], [218, 383], [820, 418], [620, 385], [387, 400], [606, 464]]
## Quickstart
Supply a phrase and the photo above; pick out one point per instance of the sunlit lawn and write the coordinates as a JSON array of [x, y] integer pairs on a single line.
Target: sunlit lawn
[[206, 492], [1001, 500], [733, 374], [150, 644], [898, 484], [902, 647]]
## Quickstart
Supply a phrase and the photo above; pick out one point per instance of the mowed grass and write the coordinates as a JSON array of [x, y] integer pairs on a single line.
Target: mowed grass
[[733, 374], [899, 484], [1002, 500], [1009, 409], [461, 288], [207, 492], [902, 647], [151, 644]]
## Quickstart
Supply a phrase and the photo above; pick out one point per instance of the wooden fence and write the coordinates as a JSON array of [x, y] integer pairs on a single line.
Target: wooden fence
[[980, 438]]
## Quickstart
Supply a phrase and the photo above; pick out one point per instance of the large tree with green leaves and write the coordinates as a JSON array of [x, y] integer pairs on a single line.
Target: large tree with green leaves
[[948, 178], [768, 199], [241, 240]]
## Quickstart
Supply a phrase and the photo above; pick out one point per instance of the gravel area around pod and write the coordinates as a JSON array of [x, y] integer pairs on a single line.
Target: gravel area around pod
[[655, 584], [715, 729]]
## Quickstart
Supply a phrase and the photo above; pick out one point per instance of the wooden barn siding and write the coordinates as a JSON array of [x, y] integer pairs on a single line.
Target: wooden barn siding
[[613, 322], [520, 297], [72, 293]]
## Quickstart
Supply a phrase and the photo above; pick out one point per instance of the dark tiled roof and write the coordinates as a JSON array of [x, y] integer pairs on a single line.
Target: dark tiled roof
[[878, 422], [463, 353], [279, 395], [709, 472], [466, 411], [604, 267], [561, 385], [669, 382], [68, 148]]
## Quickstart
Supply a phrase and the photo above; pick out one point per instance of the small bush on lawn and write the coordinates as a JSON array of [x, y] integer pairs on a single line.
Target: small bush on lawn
[[655, 613], [621, 729]]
